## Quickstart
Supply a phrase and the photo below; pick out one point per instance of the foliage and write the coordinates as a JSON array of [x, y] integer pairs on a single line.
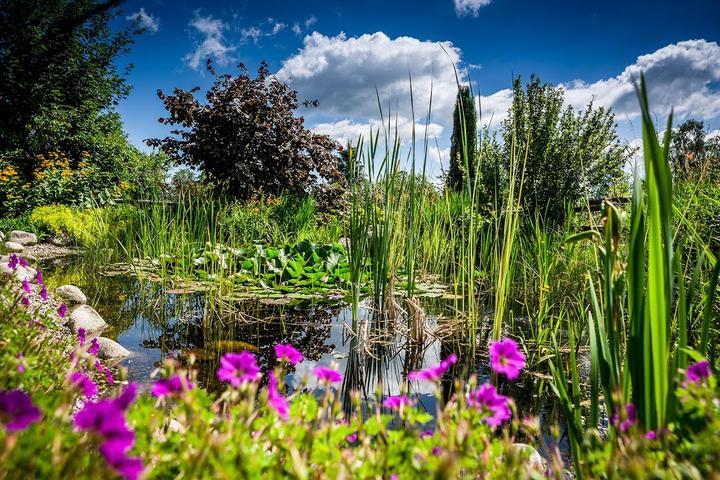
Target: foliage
[[245, 138], [463, 143], [693, 154], [641, 319], [569, 155], [62, 142]]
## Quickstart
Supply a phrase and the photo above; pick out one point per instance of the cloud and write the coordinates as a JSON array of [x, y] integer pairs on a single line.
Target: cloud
[[469, 7], [213, 44], [277, 28], [347, 130], [251, 33], [683, 76], [145, 20], [343, 72], [298, 29]]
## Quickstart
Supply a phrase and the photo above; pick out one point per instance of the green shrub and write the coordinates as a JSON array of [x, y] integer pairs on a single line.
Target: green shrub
[[84, 227]]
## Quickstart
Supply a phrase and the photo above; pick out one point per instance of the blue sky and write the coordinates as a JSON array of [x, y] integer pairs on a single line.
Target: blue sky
[[339, 52]]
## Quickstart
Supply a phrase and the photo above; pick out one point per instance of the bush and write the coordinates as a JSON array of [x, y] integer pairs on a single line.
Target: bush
[[84, 227], [245, 137]]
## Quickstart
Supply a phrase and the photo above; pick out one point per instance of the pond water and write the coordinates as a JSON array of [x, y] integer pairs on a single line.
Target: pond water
[[155, 322]]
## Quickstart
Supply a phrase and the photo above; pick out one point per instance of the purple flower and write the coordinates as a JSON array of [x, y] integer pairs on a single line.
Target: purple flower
[[17, 411], [490, 403], [506, 358], [275, 399], [288, 353], [23, 263], [698, 372], [25, 301], [62, 310], [628, 421], [397, 402], [327, 375], [83, 383], [20, 366], [26, 286], [352, 438], [170, 387], [106, 371], [127, 467], [13, 261], [426, 434], [44, 293], [94, 347], [651, 435], [238, 368], [39, 278], [434, 373], [81, 336]]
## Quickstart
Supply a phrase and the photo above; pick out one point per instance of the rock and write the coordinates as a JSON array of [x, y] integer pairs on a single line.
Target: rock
[[71, 295], [86, 317], [2, 236], [23, 238], [111, 350], [21, 273], [535, 460], [60, 241], [14, 247]]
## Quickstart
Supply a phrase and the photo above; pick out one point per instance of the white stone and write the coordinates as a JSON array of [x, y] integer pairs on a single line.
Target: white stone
[[71, 295], [20, 272], [23, 238], [111, 350], [87, 318], [14, 247], [535, 460]]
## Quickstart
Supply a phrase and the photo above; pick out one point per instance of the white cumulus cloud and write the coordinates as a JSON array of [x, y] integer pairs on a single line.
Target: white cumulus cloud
[[469, 7], [145, 20]]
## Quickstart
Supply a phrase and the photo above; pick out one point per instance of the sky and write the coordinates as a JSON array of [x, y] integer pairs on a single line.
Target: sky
[[341, 53]]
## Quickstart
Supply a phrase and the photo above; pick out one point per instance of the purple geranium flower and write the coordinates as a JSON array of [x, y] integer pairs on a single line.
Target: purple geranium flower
[[426, 434], [698, 372], [352, 438], [44, 293], [20, 366], [628, 421], [83, 383], [39, 278], [62, 310], [506, 358], [17, 411], [327, 375], [490, 403], [288, 353], [26, 286], [23, 263], [170, 387], [81, 336], [13, 261], [94, 347], [436, 372], [397, 402], [25, 301], [238, 368], [275, 399]]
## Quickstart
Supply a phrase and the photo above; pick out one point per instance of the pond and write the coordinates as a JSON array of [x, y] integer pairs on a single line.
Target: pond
[[156, 322]]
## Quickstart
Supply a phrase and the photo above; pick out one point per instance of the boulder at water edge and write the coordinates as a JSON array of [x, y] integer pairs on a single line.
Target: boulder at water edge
[[14, 247], [71, 295], [86, 317], [111, 350], [21, 273], [536, 460], [23, 238]]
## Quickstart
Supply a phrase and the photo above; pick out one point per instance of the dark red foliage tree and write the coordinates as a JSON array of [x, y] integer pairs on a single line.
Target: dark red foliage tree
[[246, 139]]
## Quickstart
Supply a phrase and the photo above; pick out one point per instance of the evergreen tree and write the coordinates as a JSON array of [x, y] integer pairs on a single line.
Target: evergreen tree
[[463, 144]]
